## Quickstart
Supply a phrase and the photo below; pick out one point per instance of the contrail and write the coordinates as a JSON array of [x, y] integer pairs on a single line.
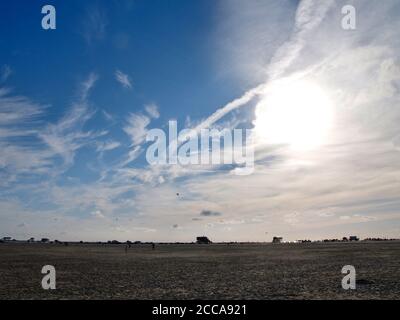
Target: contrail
[[309, 15], [244, 99]]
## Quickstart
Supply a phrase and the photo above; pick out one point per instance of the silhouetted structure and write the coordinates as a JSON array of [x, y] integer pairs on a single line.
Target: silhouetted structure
[[353, 238], [277, 240], [303, 241], [379, 239], [203, 240]]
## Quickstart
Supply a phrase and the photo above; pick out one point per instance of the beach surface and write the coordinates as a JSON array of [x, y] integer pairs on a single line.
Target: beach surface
[[190, 271]]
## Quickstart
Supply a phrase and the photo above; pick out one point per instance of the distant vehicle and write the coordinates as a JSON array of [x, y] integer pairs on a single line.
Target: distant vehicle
[[277, 240], [354, 238], [203, 240]]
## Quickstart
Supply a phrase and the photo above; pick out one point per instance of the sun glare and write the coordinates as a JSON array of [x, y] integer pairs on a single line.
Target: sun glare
[[297, 113]]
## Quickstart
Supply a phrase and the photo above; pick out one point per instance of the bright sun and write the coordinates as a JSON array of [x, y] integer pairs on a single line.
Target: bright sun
[[297, 113]]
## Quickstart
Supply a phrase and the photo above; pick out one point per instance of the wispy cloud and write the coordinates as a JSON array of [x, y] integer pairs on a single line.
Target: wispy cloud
[[152, 110], [132, 155], [94, 25], [123, 79], [107, 146], [5, 73], [15, 110], [136, 128], [87, 85], [19, 126], [97, 214], [110, 118], [67, 135]]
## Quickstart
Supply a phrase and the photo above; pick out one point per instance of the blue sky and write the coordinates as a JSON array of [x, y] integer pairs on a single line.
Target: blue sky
[[76, 104]]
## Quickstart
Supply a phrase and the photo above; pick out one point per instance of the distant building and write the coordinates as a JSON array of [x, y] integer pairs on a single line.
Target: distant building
[[203, 240], [277, 240], [353, 238]]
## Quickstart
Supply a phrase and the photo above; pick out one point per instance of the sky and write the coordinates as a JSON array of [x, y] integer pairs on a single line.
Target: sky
[[77, 102]]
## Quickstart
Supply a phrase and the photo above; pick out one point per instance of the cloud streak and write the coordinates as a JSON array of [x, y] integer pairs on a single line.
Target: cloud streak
[[123, 79], [67, 136], [136, 128], [5, 73], [95, 25]]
